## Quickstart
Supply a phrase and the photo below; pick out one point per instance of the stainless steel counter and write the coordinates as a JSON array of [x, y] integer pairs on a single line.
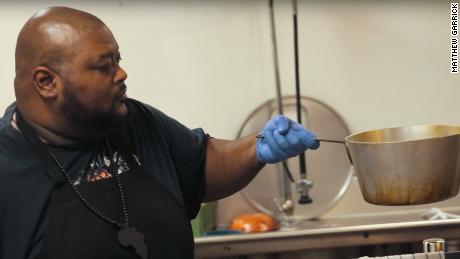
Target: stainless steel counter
[[381, 228]]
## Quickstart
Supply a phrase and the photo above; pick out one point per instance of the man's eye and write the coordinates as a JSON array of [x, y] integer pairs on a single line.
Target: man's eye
[[105, 67]]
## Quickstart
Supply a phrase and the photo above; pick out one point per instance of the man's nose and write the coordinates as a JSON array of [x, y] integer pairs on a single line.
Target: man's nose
[[120, 75]]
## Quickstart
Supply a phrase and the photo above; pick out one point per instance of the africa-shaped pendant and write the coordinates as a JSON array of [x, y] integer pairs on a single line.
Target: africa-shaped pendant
[[129, 237]]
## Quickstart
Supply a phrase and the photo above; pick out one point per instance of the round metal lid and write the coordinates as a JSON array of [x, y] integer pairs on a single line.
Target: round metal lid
[[328, 167]]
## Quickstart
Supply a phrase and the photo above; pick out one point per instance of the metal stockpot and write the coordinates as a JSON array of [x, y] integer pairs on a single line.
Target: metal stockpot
[[407, 165]]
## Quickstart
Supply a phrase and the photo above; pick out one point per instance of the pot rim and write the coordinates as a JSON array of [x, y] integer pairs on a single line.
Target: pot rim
[[455, 131]]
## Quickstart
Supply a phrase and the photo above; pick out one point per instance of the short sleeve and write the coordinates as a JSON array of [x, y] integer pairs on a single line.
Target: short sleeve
[[189, 154], [187, 149]]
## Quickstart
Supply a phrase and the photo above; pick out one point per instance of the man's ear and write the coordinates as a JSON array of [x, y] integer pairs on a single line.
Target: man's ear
[[45, 81]]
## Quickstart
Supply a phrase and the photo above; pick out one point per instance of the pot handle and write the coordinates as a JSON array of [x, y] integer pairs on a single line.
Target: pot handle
[[340, 142], [348, 153]]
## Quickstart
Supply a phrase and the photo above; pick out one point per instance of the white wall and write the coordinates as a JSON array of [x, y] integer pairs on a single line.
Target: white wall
[[209, 63]]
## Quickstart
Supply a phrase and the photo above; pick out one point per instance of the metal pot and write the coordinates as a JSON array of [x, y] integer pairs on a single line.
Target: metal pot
[[407, 165]]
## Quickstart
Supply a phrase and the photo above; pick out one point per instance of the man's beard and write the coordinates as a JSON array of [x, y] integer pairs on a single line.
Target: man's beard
[[90, 118]]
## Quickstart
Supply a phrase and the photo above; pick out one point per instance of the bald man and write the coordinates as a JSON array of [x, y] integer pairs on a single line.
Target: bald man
[[88, 173]]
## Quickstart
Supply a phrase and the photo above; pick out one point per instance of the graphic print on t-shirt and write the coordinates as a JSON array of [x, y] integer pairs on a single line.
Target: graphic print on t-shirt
[[101, 168]]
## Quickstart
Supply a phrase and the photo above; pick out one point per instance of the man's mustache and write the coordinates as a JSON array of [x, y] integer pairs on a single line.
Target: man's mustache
[[123, 89]]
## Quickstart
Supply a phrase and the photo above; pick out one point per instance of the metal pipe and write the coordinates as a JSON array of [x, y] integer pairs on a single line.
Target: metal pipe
[[275, 58], [289, 210], [279, 97], [304, 197]]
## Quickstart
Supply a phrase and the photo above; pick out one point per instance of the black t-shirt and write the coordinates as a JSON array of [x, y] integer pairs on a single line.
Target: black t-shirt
[[160, 142]]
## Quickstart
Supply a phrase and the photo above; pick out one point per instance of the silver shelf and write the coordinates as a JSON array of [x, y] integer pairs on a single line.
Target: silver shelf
[[330, 233]]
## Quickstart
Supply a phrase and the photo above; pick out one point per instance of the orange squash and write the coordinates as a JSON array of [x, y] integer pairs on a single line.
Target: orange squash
[[253, 223]]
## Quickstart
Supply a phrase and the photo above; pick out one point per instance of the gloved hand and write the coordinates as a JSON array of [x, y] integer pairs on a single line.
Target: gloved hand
[[282, 138]]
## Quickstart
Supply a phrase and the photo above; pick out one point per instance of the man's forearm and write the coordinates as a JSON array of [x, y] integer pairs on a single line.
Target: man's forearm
[[230, 166]]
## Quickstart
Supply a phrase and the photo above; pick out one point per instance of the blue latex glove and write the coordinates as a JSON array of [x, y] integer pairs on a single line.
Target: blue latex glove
[[282, 139]]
